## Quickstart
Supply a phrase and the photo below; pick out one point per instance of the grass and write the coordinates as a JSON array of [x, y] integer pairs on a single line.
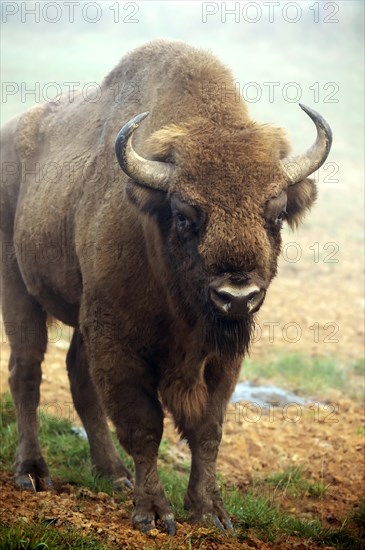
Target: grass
[[175, 486], [272, 525], [358, 518], [358, 367], [293, 482], [40, 536], [253, 515], [310, 375]]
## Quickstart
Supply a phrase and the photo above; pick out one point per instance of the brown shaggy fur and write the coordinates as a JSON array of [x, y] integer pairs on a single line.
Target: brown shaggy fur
[[101, 253]]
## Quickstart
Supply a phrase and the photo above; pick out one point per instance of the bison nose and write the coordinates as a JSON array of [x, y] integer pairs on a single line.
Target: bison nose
[[237, 301]]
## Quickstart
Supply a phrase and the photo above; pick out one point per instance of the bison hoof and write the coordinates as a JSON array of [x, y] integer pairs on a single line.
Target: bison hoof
[[169, 523], [146, 522], [223, 523], [220, 520], [121, 483], [30, 482]]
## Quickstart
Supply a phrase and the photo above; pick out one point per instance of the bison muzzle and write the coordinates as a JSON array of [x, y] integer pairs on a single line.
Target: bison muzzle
[[159, 263]]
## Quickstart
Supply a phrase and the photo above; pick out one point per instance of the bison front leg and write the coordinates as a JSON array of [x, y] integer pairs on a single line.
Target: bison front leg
[[129, 396], [142, 442], [203, 498]]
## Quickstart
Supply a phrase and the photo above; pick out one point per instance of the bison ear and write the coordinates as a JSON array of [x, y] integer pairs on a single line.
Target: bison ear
[[301, 197]]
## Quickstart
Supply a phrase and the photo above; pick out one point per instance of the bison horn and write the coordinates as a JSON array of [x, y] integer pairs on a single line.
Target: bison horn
[[300, 167], [153, 174]]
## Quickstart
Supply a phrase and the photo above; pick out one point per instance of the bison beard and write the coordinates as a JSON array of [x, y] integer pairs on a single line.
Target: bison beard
[[229, 338]]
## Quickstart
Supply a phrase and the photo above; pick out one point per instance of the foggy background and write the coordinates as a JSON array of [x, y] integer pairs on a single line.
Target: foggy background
[[295, 42]]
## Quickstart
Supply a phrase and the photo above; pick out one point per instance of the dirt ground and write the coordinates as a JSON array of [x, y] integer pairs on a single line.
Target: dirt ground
[[323, 439], [317, 307]]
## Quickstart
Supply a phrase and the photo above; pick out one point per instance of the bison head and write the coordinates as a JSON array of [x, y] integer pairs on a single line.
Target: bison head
[[216, 199]]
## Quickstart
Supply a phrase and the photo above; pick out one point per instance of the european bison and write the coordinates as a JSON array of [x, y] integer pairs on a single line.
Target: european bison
[[159, 267]]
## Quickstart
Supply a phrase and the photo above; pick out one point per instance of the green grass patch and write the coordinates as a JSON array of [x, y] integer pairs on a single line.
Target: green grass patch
[[358, 367], [293, 482], [259, 515], [8, 432], [311, 375], [358, 519], [175, 485], [40, 536]]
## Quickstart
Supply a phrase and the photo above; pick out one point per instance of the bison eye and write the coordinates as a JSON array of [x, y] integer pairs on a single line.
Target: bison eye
[[281, 217], [186, 217], [183, 223]]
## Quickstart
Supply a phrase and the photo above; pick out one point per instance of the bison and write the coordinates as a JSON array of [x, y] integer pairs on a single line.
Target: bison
[[158, 266]]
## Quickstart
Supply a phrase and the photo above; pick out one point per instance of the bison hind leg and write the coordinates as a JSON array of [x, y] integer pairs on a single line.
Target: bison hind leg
[[30, 469], [25, 325], [104, 456], [27, 335]]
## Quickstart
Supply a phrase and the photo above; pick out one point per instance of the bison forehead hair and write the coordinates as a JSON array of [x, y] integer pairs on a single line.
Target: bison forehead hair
[[217, 161], [230, 174]]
